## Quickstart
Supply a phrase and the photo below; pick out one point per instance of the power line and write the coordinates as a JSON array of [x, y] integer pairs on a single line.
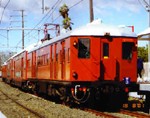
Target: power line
[[144, 4], [53, 8], [76, 4], [3, 36], [0, 2], [69, 9], [4, 11], [41, 19], [53, 11]]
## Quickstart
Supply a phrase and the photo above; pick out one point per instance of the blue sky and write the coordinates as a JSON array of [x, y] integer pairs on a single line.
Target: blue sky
[[114, 12]]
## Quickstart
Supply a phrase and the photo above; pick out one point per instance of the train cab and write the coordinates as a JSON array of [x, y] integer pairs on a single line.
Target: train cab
[[104, 57], [103, 53]]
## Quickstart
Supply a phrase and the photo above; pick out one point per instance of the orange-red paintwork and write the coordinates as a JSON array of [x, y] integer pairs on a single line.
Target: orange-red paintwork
[[20, 67], [59, 60]]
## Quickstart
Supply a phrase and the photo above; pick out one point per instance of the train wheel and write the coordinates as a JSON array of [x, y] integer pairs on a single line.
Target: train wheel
[[12, 83], [24, 87], [63, 95]]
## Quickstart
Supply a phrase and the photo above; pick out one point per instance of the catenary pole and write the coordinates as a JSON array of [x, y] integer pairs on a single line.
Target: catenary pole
[[22, 11], [91, 10]]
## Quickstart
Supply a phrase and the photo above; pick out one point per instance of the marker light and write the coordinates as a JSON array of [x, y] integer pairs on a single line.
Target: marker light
[[75, 44], [126, 80], [75, 75]]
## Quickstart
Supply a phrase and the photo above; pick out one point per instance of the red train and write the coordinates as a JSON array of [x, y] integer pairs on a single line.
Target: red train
[[96, 62]]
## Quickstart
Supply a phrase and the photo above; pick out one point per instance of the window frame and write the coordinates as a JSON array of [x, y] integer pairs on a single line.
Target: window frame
[[128, 50], [82, 52]]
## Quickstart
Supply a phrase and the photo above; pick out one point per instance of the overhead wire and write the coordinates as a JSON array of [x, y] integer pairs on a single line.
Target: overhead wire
[[144, 4], [76, 4], [54, 8], [69, 9], [4, 11], [45, 15], [40, 20], [59, 14], [0, 2], [50, 14]]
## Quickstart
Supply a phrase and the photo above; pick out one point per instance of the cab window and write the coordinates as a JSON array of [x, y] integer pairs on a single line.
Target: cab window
[[105, 50], [127, 48], [84, 48]]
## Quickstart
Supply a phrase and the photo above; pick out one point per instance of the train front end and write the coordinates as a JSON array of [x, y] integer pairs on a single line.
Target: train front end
[[104, 62]]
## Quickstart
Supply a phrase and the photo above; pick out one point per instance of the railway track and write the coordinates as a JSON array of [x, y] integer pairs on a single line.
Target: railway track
[[8, 100], [134, 114], [17, 104], [121, 114], [101, 114], [31, 108]]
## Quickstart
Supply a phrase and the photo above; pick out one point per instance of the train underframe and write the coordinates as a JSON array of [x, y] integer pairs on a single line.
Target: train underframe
[[104, 94]]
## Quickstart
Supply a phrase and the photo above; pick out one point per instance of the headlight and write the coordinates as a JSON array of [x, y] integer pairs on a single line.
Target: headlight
[[126, 80]]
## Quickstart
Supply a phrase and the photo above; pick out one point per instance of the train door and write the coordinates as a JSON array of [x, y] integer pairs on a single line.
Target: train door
[[63, 60], [51, 62], [22, 64], [55, 61], [128, 60], [34, 64], [11, 69], [108, 62]]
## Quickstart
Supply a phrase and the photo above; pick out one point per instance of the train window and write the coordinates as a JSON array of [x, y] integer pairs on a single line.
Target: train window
[[68, 54], [56, 56], [29, 63], [105, 50], [127, 50], [84, 48], [38, 62]]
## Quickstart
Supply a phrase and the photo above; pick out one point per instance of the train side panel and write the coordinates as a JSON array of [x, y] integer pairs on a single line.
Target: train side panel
[[29, 65], [43, 67], [9, 70], [20, 68], [52, 62], [4, 72], [67, 61], [85, 59]]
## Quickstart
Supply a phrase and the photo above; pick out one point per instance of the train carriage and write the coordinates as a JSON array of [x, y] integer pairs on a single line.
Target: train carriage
[[20, 69], [9, 70], [4, 71], [96, 62]]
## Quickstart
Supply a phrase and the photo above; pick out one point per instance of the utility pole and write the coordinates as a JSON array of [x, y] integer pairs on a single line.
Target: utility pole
[[43, 6], [7, 39], [22, 11], [149, 12], [91, 10], [22, 20]]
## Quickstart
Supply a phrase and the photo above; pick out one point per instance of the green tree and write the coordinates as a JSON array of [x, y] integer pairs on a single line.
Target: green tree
[[143, 53], [64, 13]]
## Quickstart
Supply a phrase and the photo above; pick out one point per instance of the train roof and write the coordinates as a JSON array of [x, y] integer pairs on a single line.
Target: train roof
[[96, 28]]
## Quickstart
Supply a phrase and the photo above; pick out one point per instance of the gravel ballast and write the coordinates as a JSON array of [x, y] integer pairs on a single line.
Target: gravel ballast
[[46, 108]]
